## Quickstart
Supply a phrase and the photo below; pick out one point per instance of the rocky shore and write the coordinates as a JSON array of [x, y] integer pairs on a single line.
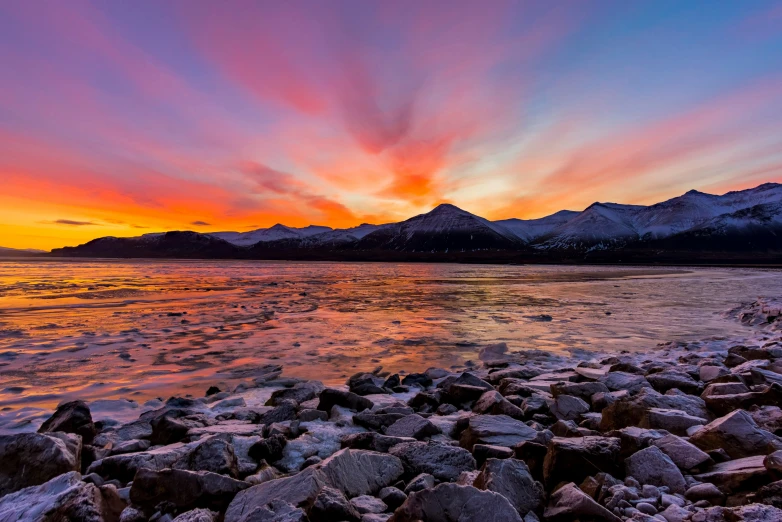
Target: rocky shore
[[682, 433]]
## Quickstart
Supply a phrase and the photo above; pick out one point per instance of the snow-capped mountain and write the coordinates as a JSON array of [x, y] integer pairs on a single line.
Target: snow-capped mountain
[[273, 233], [445, 228], [530, 229]]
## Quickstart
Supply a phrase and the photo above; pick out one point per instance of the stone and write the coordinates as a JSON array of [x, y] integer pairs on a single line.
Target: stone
[[582, 390], [616, 381], [215, 455], [567, 407], [124, 467], [770, 494], [669, 379], [366, 504], [631, 410], [705, 491], [63, 498], [578, 458], [284, 411], [197, 515], [30, 459], [633, 439], [496, 430], [744, 474], [773, 462], [563, 428], [738, 434], [724, 404], [269, 449], [724, 388], [413, 426], [377, 421], [443, 461], [170, 425], [493, 403], [309, 415], [652, 466], [511, 478], [768, 418], [300, 392], [331, 397], [331, 504], [360, 472], [71, 417], [184, 489], [481, 452], [569, 503], [709, 373], [298, 490], [685, 455], [419, 482], [749, 513], [392, 497], [674, 421], [130, 446], [455, 503], [373, 441]]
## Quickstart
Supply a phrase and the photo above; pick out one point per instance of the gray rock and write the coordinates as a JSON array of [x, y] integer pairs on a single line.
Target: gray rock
[[773, 462], [454, 503], [631, 410], [567, 407], [125, 466], [130, 446], [331, 397], [749, 513], [578, 458], [685, 455], [63, 498], [511, 478], [738, 434], [197, 515], [419, 482], [582, 390], [300, 392], [669, 379], [392, 497], [493, 403], [29, 459], [737, 475], [705, 491], [674, 421], [616, 381], [359, 472], [366, 504], [331, 504], [71, 417], [215, 455], [373, 441], [496, 430], [652, 466], [413, 426], [298, 490], [442, 461], [184, 489], [569, 503]]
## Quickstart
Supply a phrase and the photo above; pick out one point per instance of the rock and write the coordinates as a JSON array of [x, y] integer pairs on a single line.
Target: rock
[[616, 381], [633, 439], [284, 411], [709, 373], [63, 498], [511, 478], [71, 417], [773, 462], [331, 504], [563, 428], [366, 504], [652, 466], [442, 461], [750, 513], [392, 497], [184, 489], [768, 418], [215, 455], [674, 421], [298, 490], [577, 458], [724, 388], [360, 472], [582, 390], [269, 449], [685, 455], [30, 459], [377, 421], [454, 503], [569, 503], [496, 430], [770, 494], [196, 515], [567, 407], [331, 397], [300, 392], [738, 434], [417, 379], [669, 379], [631, 410], [170, 425], [419, 482], [413, 426], [493, 403], [481, 452], [130, 446], [736, 475], [724, 404], [124, 467], [309, 415], [373, 441], [705, 491]]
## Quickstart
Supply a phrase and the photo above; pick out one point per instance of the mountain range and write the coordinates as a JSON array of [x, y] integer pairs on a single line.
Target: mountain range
[[741, 226]]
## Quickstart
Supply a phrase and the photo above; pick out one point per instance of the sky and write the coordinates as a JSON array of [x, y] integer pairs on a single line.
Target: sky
[[122, 118]]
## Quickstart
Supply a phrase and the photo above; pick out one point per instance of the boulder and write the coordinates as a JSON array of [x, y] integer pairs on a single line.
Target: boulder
[[454, 503], [705, 491], [493, 403], [197, 515], [124, 467], [569, 503], [631, 410], [71, 417], [582, 390], [674, 421], [366, 504], [578, 458], [269, 449], [419, 482], [443, 461], [773, 462], [768, 418], [567, 407], [30, 459], [184, 489], [413, 426], [392, 497], [215, 455], [300, 392], [749, 513], [669, 379], [276, 511], [496, 430], [616, 381], [737, 475], [652, 466], [360, 472], [373, 441], [298, 490], [511, 478], [331, 504], [685, 455], [738, 434], [723, 404], [63, 498]]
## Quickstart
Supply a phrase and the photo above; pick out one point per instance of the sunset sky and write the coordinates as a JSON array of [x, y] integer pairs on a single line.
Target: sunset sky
[[122, 118]]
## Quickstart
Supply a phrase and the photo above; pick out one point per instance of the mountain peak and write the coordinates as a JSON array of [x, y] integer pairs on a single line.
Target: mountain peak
[[447, 208]]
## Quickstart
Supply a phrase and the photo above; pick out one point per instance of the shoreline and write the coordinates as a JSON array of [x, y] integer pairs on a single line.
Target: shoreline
[[688, 432]]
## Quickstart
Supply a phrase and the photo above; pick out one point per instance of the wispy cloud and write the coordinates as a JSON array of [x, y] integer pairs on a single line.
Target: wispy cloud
[[71, 223], [200, 223]]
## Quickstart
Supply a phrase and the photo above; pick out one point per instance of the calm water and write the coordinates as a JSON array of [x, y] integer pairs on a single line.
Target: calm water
[[145, 329]]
